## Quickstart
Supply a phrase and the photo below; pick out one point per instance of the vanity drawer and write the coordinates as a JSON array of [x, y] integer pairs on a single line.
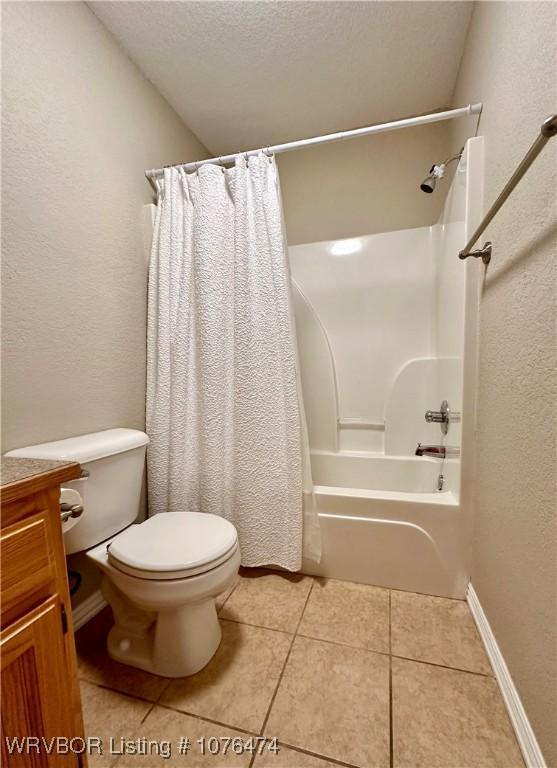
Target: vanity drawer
[[28, 572]]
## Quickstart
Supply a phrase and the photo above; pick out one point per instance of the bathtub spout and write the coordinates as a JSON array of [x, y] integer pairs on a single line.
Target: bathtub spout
[[438, 451]]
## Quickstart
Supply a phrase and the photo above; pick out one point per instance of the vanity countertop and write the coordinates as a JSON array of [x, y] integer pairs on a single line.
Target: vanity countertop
[[20, 475]]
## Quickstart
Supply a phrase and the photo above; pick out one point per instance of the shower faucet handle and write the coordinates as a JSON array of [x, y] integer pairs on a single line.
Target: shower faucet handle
[[444, 416], [437, 417]]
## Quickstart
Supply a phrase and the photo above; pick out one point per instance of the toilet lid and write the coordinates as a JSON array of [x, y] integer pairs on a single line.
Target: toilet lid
[[173, 545]]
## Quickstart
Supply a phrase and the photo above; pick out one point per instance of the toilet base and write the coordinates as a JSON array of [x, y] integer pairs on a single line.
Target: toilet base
[[178, 643], [168, 627]]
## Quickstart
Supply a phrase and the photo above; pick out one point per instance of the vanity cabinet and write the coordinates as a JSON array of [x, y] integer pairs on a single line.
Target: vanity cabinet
[[40, 689]]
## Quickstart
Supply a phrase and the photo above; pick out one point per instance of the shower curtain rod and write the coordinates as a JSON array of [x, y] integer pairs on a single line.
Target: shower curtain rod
[[471, 109]]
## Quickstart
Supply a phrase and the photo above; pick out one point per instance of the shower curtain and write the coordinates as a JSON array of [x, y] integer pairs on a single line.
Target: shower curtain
[[224, 410]]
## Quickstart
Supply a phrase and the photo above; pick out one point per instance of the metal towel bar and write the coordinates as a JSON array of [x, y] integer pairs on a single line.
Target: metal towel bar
[[547, 130]]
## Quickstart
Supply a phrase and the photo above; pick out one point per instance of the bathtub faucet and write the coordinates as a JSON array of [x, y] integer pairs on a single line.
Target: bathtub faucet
[[438, 451]]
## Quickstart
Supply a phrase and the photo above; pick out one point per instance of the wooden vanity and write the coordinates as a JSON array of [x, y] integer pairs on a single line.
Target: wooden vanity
[[40, 690]]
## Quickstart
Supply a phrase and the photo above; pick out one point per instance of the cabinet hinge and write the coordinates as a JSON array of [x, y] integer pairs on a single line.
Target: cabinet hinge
[[64, 619]]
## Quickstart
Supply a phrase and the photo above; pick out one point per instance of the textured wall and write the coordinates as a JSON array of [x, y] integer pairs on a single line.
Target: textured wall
[[509, 64], [363, 186], [80, 125]]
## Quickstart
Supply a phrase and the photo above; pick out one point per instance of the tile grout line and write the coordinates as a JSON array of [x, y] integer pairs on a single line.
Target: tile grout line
[[342, 645], [391, 734], [119, 759], [229, 595], [284, 665], [444, 666], [421, 594], [163, 691], [318, 755], [306, 601], [395, 655], [133, 696], [257, 626], [205, 719], [151, 708]]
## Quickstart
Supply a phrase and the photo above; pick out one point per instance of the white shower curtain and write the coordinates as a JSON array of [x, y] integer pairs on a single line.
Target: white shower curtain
[[224, 413]]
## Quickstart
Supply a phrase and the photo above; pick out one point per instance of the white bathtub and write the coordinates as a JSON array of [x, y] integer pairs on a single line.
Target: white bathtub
[[383, 522]]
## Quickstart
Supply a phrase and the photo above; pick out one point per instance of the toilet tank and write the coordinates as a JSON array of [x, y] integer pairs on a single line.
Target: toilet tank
[[113, 462]]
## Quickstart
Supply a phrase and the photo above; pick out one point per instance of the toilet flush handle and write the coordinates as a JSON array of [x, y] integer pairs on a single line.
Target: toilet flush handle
[[68, 511]]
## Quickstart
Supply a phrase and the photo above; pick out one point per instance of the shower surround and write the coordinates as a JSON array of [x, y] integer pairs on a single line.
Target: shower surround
[[386, 329]]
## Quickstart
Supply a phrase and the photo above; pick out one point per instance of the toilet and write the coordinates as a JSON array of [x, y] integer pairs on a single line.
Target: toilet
[[160, 576]]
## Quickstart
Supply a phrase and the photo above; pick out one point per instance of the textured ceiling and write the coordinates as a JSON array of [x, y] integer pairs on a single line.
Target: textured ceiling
[[249, 74]]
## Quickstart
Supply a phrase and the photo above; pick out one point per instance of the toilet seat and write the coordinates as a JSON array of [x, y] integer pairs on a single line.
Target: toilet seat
[[173, 545]]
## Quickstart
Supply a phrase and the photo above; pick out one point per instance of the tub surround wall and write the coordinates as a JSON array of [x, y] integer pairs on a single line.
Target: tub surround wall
[[316, 361], [509, 65], [80, 125], [450, 271], [381, 327], [372, 297]]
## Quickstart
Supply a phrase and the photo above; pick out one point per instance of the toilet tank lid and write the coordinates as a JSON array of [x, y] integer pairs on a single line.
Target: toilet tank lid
[[84, 448]]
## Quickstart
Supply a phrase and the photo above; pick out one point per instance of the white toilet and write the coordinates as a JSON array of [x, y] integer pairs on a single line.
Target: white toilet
[[160, 576]]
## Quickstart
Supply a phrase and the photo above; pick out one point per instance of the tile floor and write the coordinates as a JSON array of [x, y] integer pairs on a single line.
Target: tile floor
[[341, 673]]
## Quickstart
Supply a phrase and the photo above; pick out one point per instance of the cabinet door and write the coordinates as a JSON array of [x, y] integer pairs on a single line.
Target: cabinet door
[[36, 696]]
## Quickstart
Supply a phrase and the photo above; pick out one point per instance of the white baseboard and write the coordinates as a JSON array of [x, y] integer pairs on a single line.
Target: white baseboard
[[88, 608], [525, 735]]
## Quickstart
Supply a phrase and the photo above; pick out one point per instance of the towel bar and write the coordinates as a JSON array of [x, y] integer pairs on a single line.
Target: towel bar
[[547, 131]]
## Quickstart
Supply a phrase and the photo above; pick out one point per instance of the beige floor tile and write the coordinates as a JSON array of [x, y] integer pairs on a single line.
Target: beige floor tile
[[436, 630], [289, 758], [96, 666], [237, 685], [443, 718], [334, 700], [108, 714], [268, 599], [344, 612], [164, 725]]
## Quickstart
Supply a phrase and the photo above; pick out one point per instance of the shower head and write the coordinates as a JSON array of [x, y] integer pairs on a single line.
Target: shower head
[[437, 172], [428, 184]]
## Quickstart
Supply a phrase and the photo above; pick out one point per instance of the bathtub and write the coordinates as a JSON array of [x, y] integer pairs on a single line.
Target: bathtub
[[383, 522]]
